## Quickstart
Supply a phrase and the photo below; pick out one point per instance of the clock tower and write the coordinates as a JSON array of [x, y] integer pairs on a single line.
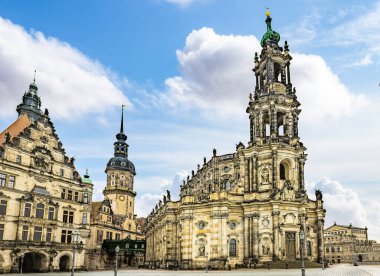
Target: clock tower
[[120, 181]]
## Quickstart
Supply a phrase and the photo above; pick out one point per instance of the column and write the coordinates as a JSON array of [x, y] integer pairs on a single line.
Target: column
[[301, 164], [246, 236], [273, 124], [288, 71], [251, 127], [257, 82], [274, 168], [321, 245], [254, 173], [257, 126], [276, 236], [251, 164], [246, 175], [256, 217]]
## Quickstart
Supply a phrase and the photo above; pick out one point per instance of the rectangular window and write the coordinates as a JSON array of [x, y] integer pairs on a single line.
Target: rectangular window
[[27, 210], [84, 218], [37, 236], [63, 194], [48, 234], [1, 232], [65, 216], [71, 217], [76, 196], [3, 207], [25, 233], [117, 236], [12, 181], [109, 235], [40, 211], [61, 172], [51, 213], [85, 197], [70, 195], [66, 236], [18, 159], [3, 179]]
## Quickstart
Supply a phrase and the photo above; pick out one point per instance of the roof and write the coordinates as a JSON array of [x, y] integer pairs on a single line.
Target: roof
[[16, 128], [346, 226]]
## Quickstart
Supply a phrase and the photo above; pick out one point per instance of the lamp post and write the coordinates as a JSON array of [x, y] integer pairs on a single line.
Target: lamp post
[[117, 250], [22, 263], [75, 239], [302, 238], [206, 262]]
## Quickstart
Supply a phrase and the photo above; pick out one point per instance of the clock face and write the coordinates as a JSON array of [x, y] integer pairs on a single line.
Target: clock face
[[122, 198]]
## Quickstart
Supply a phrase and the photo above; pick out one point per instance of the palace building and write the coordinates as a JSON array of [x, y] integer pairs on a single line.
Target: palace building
[[42, 196], [251, 205], [350, 244], [43, 200]]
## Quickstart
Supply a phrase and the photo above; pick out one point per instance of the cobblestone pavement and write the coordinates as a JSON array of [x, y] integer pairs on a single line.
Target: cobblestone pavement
[[337, 270]]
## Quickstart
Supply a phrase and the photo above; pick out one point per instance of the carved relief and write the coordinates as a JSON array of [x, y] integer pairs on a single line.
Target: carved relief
[[265, 171]]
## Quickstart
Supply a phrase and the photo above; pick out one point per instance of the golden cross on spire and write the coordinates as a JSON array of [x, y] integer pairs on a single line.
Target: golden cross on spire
[[267, 12]]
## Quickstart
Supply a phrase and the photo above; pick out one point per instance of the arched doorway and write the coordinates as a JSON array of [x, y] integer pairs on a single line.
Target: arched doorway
[[360, 258], [34, 262], [64, 263]]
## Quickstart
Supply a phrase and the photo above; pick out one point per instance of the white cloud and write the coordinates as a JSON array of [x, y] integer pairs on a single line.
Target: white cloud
[[344, 206], [362, 29], [366, 60], [216, 78], [70, 84]]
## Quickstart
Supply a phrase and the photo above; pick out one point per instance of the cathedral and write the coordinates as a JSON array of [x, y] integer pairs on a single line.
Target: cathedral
[[250, 206]]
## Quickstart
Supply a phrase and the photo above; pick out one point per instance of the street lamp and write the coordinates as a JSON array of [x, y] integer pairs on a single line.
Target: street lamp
[[22, 263], [117, 250], [75, 240], [206, 262], [302, 238]]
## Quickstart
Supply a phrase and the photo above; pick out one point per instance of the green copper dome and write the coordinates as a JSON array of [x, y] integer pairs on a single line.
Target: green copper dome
[[270, 35]]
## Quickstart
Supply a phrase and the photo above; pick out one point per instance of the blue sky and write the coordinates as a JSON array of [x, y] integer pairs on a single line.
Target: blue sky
[[183, 69]]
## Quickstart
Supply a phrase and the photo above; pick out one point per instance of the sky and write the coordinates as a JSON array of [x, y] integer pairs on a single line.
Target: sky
[[183, 68]]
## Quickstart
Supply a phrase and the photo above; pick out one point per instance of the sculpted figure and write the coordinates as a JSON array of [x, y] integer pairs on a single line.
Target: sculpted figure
[[265, 176], [168, 196], [201, 250]]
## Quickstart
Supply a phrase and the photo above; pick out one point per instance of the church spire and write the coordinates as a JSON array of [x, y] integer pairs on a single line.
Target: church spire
[[270, 35], [121, 147], [31, 102]]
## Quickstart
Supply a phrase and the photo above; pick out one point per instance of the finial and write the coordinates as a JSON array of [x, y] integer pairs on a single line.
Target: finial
[[87, 171], [267, 13], [34, 79], [256, 57], [122, 118], [286, 47]]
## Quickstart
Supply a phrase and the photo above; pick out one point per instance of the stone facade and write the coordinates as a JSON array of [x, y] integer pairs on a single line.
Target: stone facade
[[114, 217], [42, 196], [248, 206], [348, 244]]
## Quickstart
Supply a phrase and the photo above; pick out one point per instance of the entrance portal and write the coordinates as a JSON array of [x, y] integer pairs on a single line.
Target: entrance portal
[[34, 262], [290, 239], [64, 263]]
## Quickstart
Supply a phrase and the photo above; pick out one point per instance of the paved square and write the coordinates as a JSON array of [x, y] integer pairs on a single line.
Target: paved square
[[337, 270]]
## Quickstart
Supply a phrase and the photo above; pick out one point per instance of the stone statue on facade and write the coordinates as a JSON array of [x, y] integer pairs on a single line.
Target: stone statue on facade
[[202, 250], [318, 194], [168, 196]]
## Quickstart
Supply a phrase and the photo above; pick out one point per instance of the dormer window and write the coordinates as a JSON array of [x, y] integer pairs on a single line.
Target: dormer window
[[123, 164]]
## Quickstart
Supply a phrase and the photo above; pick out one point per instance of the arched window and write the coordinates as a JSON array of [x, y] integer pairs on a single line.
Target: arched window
[[40, 211], [282, 172], [232, 248]]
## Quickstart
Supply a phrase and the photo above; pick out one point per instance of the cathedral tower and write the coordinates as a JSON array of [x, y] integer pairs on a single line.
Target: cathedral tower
[[273, 113], [120, 180]]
